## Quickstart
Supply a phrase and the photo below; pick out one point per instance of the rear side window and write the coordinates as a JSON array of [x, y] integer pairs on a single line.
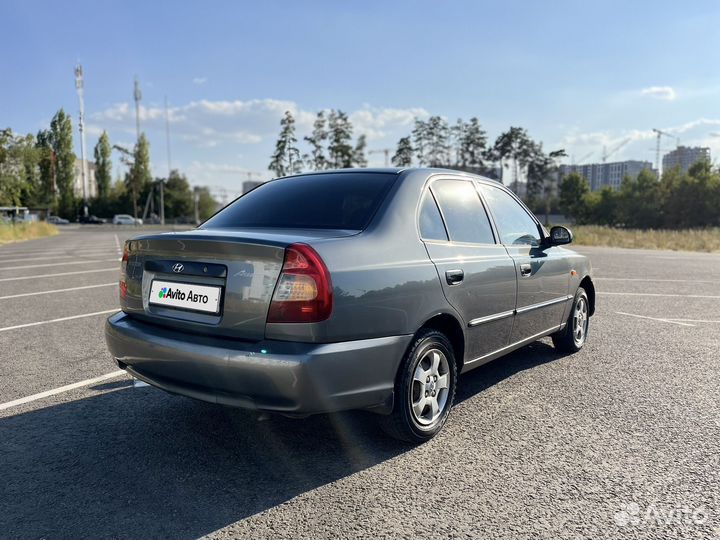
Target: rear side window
[[464, 214], [431, 223], [318, 201]]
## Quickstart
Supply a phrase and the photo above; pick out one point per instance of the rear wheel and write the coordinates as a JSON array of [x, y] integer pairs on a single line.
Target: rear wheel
[[424, 389], [572, 338]]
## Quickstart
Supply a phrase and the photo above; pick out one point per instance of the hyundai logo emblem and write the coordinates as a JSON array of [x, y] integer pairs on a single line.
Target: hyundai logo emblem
[[177, 268]]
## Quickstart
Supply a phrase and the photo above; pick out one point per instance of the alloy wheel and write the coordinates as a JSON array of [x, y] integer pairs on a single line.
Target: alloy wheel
[[580, 321], [430, 388]]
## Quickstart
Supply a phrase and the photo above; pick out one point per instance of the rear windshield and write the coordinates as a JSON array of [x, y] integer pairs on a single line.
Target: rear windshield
[[319, 201]]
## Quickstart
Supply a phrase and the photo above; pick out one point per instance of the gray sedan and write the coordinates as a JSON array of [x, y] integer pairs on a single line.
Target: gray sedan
[[356, 289]]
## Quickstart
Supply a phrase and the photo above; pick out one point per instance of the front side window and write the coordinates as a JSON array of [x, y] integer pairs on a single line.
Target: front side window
[[431, 223], [514, 224], [464, 214]]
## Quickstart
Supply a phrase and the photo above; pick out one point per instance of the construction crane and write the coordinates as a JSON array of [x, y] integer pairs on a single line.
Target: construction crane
[[660, 134], [385, 151], [584, 158], [607, 153]]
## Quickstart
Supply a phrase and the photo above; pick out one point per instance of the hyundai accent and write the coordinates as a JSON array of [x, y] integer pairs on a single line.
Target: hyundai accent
[[356, 289]]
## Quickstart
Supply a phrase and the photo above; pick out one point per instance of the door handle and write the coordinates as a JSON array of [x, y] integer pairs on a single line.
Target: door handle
[[453, 277], [525, 270]]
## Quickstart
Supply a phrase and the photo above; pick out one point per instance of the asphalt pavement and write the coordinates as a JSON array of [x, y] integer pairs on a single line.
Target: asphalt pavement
[[618, 441]]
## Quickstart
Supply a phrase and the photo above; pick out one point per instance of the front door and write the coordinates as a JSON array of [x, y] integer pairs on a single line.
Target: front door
[[543, 273]]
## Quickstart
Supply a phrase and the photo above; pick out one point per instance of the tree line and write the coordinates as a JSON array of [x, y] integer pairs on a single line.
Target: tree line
[[330, 144], [678, 200], [431, 143], [38, 171]]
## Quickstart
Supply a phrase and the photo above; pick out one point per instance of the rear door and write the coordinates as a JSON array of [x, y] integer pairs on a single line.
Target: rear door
[[543, 273], [477, 275]]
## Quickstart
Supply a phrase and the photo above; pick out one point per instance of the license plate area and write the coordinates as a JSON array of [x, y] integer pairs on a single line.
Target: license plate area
[[185, 296]]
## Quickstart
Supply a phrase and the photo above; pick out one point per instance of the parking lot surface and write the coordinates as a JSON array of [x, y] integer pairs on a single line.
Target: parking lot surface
[[617, 441]]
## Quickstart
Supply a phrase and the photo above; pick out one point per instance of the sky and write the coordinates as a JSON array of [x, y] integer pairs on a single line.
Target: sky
[[577, 75]]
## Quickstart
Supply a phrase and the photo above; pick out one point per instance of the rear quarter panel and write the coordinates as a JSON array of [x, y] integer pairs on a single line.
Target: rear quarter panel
[[383, 280]]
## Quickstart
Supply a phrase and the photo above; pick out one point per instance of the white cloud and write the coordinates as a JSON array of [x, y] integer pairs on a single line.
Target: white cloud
[[207, 136], [199, 80], [666, 93], [375, 122], [208, 124]]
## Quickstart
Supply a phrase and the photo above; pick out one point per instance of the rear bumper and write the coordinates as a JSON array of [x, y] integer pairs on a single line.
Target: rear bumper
[[289, 377]]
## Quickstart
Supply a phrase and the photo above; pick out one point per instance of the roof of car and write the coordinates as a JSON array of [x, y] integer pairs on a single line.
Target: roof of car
[[390, 170]]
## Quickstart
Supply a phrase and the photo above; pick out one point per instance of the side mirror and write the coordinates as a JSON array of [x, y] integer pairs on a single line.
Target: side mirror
[[560, 235]]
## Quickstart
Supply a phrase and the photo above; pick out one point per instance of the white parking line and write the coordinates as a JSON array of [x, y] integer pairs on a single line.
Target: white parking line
[[117, 245], [61, 255], [60, 274], [61, 319], [86, 261], [61, 248], [695, 320], [658, 280], [57, 290], [60, 390], [654, 319], [659, 294]]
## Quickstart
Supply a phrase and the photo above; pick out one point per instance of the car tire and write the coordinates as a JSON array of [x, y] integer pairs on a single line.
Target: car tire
[[572, 338], [424, 389]]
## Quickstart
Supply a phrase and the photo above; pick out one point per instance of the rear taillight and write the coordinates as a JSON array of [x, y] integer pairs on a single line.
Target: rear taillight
[[123, 269], [303, 293]]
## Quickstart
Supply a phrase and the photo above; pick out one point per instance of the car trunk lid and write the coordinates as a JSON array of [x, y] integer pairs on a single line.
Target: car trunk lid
[[238, 269]]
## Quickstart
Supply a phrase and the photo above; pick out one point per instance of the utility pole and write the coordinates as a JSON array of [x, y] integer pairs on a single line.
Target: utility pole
[[83, 164], [162, 183], [196, 199], [137, 95]]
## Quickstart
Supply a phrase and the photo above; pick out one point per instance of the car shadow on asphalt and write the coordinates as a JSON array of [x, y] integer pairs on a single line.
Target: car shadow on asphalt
[[139, 463]]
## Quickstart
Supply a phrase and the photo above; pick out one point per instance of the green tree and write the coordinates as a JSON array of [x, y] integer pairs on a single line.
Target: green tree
[[340, 150], [573, 191], [286, 158], [61, 142], [640, 203], [691, 199], [19, 174], [542, 172], [471, 144], [404, 154], [103, 166], [178, 196], [420, 141], [46, 166], [436, 144], [513, 148], [11, 184], [316, 160], [359, 159], [602, 207], [139, 177], [207, 205]]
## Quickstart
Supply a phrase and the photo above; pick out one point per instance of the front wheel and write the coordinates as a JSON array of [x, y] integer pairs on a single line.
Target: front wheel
[[424, 389], [572, 338]]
